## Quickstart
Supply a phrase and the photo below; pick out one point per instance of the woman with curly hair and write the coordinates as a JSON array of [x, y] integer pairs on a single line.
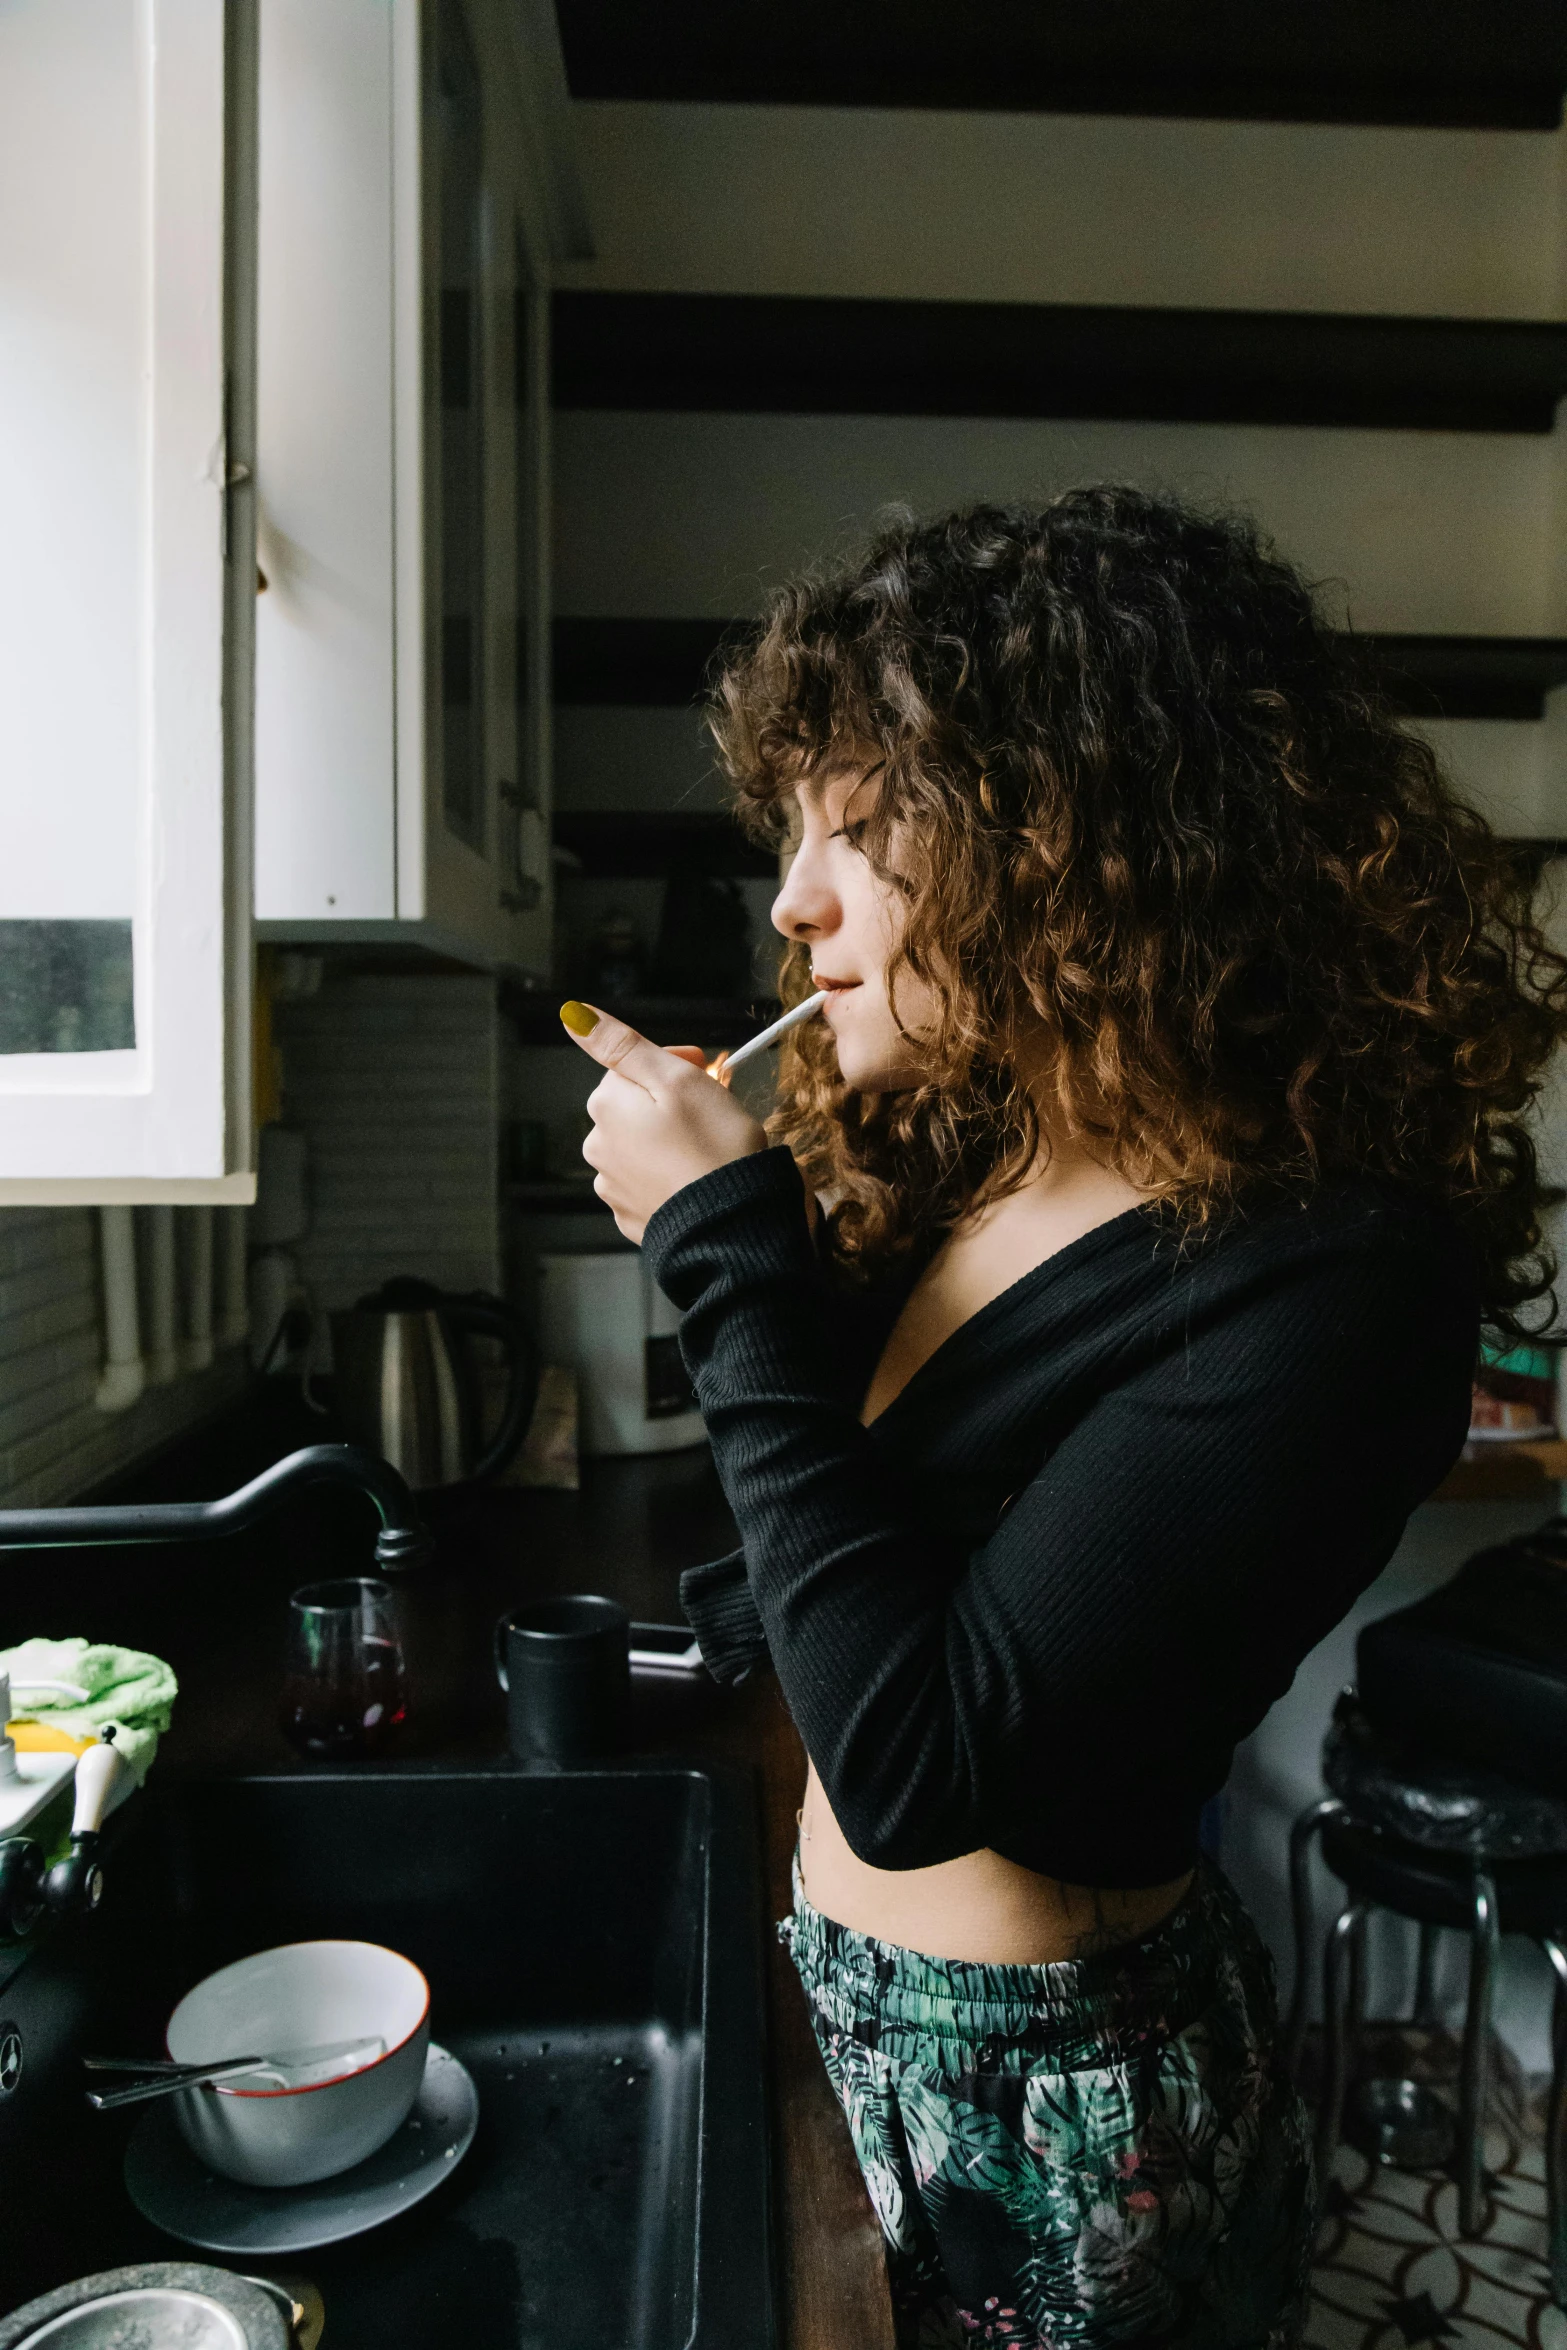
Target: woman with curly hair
[[1075, 1343]]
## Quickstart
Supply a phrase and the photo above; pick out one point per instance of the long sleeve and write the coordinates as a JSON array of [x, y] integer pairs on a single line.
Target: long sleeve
[[717, 1603], [1195, 1516]]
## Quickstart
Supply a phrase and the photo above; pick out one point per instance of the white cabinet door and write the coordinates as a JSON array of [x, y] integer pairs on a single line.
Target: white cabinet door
[[127, 596], [326, 652], [402, 723]]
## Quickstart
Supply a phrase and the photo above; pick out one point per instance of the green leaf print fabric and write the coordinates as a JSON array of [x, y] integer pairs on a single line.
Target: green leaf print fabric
[[1100, 2152]]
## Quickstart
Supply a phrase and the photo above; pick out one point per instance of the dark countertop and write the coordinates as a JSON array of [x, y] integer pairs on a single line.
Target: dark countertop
[[218, 1612]]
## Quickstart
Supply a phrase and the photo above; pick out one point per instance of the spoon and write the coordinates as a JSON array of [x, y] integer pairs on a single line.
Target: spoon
[[167, 2076]]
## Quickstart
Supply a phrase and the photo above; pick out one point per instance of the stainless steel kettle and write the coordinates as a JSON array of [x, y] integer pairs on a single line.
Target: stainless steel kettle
[[407, 1386]]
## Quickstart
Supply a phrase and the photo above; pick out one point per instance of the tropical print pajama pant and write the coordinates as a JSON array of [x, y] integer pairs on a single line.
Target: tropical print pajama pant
[[1102, 2151]]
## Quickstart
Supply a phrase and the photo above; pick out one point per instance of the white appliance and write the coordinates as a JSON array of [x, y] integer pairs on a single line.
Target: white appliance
[[603, 1316]]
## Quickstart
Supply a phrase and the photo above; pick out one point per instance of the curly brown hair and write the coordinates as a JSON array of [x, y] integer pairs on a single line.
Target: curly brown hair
[[1139, 794]]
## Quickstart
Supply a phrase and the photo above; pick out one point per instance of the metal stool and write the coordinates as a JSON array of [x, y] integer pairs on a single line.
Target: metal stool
[[1443, 1845]]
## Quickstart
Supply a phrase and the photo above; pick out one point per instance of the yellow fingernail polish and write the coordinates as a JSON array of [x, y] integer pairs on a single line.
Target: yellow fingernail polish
[[578, 1018]]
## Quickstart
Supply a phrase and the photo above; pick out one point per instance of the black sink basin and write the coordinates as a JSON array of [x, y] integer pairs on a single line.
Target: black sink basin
[[592, 1942]]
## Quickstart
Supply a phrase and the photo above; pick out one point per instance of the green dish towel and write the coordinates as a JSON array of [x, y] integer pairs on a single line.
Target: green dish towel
[[124, 1686]]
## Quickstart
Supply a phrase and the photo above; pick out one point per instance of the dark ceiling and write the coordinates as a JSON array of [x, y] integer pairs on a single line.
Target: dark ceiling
[[1494, 64]]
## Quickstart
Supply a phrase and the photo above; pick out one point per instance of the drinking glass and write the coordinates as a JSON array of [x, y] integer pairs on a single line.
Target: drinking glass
[[345, 1691]]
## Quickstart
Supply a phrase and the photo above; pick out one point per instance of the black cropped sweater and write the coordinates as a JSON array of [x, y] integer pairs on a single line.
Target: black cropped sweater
[[1036, 1603]]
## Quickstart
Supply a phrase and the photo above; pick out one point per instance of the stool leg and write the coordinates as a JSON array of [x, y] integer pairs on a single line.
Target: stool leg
[[1474, 2083], [1555, 2123], [1310, 1823], [1355, 2004], [1343, 1954], [1425, 1978]]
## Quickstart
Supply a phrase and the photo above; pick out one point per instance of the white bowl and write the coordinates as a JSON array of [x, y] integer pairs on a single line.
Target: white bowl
[[302, 1995]]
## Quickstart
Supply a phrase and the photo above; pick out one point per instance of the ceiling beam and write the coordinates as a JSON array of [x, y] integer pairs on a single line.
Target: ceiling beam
[[1450, 64], [793, 354], [662, 663]]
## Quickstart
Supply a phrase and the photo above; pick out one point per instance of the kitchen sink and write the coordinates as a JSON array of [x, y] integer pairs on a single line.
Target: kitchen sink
[[592, 1941]]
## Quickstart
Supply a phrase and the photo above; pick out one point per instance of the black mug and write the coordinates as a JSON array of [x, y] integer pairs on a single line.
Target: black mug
[[565, 1665]]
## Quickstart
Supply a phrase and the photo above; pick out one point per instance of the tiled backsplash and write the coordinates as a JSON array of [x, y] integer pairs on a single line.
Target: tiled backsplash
[[55, 1444], [394, 1080]]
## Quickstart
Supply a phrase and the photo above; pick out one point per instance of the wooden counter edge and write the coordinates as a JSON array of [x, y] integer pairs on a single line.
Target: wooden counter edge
[[832, 2277]]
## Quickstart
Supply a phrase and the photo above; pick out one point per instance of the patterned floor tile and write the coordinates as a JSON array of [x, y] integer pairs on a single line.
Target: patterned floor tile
[[1392, 2272]]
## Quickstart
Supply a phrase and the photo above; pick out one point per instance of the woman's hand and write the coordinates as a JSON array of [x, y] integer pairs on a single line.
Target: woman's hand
[[659, 1120]]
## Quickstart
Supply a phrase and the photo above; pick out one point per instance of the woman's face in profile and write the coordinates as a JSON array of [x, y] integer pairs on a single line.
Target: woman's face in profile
[[835, 904]]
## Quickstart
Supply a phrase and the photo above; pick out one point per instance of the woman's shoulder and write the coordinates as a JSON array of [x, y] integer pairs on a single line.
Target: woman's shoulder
[[1355, 1213], [1351, 1238]]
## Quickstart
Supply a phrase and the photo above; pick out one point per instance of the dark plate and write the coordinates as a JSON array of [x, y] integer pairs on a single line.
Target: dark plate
[[169, 2186]]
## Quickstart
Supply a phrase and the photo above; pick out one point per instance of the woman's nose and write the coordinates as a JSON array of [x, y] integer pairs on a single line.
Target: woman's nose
[[807, 906]]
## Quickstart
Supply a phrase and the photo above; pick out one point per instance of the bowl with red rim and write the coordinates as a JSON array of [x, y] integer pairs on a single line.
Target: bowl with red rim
[[302, 1995]]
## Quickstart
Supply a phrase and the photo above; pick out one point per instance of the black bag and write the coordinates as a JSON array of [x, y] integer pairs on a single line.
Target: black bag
[[1478, 1669]]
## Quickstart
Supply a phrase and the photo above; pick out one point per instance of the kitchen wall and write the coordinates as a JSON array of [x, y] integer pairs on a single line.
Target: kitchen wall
[[394, 1078], [1417, 533], [679, 513], [670, 514], [1072, 208], [665, 514], [55, 1441]]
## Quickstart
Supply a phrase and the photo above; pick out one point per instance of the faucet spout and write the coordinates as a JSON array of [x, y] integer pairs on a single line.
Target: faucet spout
[[401, 1543]]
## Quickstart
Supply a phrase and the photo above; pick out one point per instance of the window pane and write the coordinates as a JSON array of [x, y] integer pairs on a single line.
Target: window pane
[[66, 987]]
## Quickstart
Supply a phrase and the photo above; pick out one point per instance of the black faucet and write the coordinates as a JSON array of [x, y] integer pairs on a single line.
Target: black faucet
[[401, 1543], [27, 1887]]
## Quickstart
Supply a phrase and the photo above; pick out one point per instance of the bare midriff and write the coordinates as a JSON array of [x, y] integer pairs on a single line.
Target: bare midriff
[[981, 1908]]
